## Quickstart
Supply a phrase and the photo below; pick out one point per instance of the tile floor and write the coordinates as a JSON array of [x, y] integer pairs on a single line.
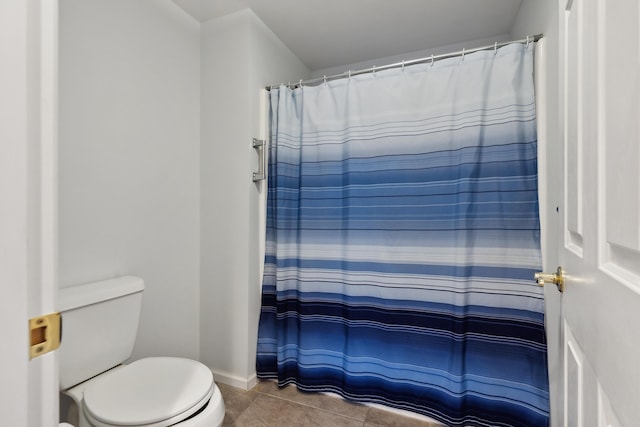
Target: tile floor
[[266, 405]]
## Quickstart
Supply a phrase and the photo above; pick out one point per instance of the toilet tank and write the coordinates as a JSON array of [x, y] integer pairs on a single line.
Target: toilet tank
[[99, 327]]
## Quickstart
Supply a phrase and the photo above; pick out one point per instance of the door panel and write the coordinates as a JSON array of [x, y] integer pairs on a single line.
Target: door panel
[[573, 154], [600, 246], [573, 380], [606, 416], [620, 117]]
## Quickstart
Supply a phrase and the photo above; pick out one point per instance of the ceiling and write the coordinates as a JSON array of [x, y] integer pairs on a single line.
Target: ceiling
[[330, 33]]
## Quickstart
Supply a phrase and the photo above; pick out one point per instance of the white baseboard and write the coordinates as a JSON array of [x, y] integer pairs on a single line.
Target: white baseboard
[[234, 380]]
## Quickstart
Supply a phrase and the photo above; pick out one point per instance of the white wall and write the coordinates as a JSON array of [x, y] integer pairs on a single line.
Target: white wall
[[410, 55], [240, 55], [129, 149]]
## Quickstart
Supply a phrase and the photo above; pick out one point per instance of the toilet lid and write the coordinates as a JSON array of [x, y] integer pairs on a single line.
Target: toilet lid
[[149, 391]]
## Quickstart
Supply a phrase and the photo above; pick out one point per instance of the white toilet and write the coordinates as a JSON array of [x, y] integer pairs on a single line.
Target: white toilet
[[99, 326]]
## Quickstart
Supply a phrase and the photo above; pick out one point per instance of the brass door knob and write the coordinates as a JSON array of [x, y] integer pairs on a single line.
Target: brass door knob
[[556, 278]]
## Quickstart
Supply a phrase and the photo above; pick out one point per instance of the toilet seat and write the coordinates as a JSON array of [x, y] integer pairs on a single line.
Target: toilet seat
[[152, 392]]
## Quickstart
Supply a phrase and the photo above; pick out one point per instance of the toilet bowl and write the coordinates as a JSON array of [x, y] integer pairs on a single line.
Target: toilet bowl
[[151, 392], [99, 326]]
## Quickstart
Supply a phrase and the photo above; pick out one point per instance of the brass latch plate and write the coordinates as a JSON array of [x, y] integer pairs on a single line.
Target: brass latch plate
[[44, 334]]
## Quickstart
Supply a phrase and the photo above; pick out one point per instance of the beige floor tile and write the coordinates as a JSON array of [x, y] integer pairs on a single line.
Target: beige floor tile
[[378, 417], [289, 392], [268, 405], [268, 411], [267, 386], [235, 401], [322, 401], [343, 407], [318, 417]]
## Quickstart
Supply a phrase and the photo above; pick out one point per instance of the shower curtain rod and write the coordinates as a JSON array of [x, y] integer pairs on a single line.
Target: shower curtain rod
[[318, 80]]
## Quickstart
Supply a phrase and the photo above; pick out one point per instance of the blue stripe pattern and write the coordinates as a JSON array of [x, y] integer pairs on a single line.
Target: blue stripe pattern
[[402, 239]]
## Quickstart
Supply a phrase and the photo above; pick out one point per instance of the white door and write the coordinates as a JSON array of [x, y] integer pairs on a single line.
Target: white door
[[28, 68], [599, 216]]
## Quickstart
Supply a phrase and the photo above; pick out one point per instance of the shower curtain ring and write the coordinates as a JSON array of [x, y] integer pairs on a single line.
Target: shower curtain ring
[[495, 48], [432, 59], [403, 65], [527, 41]]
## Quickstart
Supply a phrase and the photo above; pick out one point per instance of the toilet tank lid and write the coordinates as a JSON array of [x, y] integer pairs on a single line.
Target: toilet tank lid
[[91, 293]]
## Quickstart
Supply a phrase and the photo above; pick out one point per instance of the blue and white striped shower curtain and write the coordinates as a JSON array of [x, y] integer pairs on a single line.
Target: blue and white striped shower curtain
[[402, 238]]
